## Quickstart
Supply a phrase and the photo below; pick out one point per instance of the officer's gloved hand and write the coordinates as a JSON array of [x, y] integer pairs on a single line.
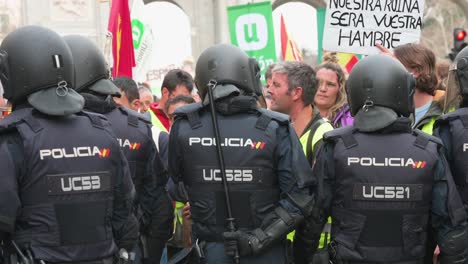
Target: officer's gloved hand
[[247, 244]]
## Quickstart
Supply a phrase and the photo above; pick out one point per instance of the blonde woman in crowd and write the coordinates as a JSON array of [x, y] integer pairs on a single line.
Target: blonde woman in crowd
[[330, 98]]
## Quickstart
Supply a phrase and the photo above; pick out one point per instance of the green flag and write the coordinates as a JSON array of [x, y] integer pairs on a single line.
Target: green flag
[[251, 28]]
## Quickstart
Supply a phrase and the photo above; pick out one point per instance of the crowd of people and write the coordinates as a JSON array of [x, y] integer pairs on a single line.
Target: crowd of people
[[316, 166]]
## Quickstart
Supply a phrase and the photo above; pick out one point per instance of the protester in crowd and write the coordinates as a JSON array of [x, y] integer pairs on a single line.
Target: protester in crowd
[[421, 62], [130, 97], [330, 98], [292, 90], [183, 222], [146, 98], [176, 82], [442, 71], [176, 102]]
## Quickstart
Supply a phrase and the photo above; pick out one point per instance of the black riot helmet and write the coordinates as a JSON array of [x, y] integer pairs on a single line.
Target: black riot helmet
[[91, 69], [36, 64], [227, 65], [382, 81]]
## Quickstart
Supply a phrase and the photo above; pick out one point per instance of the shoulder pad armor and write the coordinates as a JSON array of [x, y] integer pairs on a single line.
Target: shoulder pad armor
[[190, 112], [339, 132], [426, 137], [461, 114], [186, 109], [135, 114], [279, 117], [449, 116], [346, 134], [18, 116], [97, 120], [15, 117], [93, 114]]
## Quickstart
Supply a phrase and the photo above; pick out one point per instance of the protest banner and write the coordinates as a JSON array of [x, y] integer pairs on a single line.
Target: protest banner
[[143, 39], [251, 28], [355, 26]]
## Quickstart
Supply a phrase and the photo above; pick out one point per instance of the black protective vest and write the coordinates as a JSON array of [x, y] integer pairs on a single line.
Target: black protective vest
[[66, 189], [382, 196], [134, 136], [458, 122], [248, 142]]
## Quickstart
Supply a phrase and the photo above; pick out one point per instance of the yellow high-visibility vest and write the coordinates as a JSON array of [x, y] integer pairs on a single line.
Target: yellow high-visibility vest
[[429, 127], [319, 132]]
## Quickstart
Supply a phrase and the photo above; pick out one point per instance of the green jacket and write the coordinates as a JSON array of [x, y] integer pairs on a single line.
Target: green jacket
[[426, 123]]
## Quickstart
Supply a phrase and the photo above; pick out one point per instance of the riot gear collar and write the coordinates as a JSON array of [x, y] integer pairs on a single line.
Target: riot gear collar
[[227, 66], [37, 65], [379, 90], [91, 69]]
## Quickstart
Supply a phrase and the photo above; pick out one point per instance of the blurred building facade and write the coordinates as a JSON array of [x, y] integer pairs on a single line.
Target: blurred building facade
[[208, 18]]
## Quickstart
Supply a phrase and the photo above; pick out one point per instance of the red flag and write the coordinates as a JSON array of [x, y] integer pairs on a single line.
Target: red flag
[[289, 48], [122, 39]]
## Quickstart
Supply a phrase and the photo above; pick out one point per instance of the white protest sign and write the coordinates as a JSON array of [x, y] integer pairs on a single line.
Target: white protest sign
[[143, 39], [355, 26]]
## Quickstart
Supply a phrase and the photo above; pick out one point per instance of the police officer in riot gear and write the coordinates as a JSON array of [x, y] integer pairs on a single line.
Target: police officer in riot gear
[[66, 190], [384, 184], [451, 128], [266, 171], [134, 133]]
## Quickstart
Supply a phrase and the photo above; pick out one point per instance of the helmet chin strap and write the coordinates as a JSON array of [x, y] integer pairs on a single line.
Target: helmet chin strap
[[367, 104]]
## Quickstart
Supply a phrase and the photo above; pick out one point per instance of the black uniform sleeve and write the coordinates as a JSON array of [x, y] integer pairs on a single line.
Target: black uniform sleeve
[[296, 197], [151, 188], [448, 216], [159, 229], [295, 202], [164, 147], [442, 131], [307, 235], [175, 158], [11, 158], [124, 223]]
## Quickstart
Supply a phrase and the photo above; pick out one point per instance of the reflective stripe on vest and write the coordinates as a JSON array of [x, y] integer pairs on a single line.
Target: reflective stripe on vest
[[321, 130], [429, 127], [318, 135], [156, 122], [178, 214]]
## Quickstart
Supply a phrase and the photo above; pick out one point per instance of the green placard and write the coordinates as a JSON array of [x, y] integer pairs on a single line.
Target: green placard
[[320, 25], [251, 28]]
